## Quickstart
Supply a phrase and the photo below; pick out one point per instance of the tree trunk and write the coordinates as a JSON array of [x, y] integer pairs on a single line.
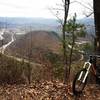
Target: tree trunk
[[71, 51], [97, 25], [97, 40], [66, 9]]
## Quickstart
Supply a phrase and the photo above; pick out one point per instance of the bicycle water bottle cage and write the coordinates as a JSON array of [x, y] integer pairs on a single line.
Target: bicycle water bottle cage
[[90, 59], [93, 60]]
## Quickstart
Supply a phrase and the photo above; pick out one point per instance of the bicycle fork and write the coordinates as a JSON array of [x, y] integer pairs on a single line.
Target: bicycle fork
[[87, 71]]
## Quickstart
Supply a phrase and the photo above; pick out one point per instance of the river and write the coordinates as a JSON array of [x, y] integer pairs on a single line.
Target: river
[[3, 48]]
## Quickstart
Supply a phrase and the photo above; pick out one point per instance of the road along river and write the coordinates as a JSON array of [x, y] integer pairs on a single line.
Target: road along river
[[3, 48]]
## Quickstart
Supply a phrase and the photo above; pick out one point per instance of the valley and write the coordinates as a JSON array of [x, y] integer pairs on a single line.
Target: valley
[[31, 59], [33, 44]]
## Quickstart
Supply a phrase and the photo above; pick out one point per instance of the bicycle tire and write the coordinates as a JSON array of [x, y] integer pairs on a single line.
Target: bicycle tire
[[75, 91]]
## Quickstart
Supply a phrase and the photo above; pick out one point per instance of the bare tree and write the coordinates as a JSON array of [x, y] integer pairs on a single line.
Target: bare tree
[[29, 67], [66, 9], [87, 6], [63, 22]]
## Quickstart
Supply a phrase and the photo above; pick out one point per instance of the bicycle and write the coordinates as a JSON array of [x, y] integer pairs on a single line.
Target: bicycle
[[81, 77]]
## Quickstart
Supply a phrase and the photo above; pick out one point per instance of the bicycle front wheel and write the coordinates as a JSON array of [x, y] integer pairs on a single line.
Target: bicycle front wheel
[[79, 82]]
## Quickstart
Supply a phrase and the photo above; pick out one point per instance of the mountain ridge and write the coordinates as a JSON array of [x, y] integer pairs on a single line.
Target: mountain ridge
[[36, 43]]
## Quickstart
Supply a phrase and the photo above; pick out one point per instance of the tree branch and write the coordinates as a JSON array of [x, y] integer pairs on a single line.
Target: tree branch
[[59, 19], [57, 9], [82, 5], [89, 14]]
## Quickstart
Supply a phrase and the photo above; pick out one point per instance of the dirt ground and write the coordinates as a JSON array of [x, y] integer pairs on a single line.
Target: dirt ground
[[47, 91]]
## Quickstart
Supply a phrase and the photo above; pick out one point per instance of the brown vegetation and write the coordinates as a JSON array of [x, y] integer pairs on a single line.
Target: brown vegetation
[[34, 42], [46, 90]]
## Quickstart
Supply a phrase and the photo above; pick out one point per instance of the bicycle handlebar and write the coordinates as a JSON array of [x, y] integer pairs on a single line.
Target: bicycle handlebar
[[98, 56], [91, 55]]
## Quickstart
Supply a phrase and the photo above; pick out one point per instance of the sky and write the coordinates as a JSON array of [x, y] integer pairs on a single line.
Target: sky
[[40, 8]]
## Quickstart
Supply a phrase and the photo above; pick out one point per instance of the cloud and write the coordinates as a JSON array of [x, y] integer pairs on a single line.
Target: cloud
[[33, 8]]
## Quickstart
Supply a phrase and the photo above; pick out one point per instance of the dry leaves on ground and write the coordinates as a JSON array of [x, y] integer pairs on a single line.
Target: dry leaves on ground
[[46, 90]]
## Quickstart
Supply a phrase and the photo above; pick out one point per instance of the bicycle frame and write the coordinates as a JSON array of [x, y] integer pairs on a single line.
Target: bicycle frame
[[87, 71], [80, 79]]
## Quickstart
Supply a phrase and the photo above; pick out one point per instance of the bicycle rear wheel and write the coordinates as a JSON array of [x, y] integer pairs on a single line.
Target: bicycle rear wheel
[[78, 84]]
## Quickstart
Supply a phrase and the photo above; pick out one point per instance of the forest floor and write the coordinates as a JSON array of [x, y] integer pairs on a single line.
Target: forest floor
[[47, 91]]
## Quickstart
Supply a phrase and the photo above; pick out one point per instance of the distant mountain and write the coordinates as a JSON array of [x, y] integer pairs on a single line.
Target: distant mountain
[[27, 21], [42, 24], [86, 21], [43, 21], [89, 23], [36, 42]]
